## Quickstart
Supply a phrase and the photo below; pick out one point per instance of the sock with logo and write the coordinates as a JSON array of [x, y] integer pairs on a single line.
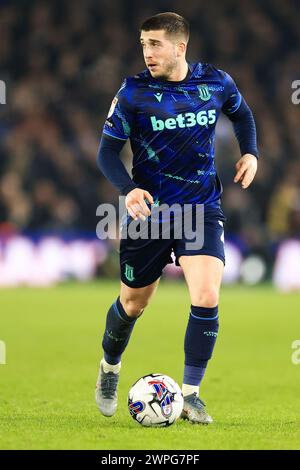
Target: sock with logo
[[117, 332], [199, 342]]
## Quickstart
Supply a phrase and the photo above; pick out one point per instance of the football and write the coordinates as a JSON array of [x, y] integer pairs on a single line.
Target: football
[[155, 400]]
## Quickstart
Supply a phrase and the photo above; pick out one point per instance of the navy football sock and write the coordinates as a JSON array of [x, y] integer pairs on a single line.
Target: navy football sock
[[199, 342], [117, 332]]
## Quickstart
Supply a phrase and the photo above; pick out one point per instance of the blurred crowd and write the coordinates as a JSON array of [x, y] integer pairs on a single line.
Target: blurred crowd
[[63, 61]]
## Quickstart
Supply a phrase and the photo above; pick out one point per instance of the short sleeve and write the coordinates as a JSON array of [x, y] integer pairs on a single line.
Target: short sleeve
[[119, 120], [233, 97]]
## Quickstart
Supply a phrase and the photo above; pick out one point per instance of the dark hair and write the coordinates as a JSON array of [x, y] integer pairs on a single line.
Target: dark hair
[[170, 22]]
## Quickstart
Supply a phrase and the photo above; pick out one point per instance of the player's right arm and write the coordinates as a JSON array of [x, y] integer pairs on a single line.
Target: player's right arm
[[116, 131]]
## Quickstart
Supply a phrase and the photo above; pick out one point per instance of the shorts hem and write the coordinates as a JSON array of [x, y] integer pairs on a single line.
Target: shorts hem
[[137, 284], [204, 252]]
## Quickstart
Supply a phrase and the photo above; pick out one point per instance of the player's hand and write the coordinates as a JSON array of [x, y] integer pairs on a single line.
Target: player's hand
[[136, 205], [246, 169]]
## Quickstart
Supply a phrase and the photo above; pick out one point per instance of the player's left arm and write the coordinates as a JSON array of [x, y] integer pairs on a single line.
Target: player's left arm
[[237, 110]]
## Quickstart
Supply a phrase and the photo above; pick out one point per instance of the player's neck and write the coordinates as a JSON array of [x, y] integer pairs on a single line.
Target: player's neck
[[180, 73]]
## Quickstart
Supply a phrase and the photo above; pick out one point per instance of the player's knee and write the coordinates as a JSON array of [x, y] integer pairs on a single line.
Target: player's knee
[[134, 307], [208, 298]]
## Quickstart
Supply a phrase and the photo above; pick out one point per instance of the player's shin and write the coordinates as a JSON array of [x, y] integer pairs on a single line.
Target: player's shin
[[117, 332], [200, 338], [116, 336]]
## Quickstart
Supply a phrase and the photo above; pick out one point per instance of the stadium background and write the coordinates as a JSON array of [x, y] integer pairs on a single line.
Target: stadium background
[[63, 61]]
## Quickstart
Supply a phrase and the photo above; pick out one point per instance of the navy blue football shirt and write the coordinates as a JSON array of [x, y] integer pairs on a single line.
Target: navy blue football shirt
[[171, 127]]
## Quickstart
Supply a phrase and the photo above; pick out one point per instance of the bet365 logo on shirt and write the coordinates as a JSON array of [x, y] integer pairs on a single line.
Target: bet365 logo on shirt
[[203, 118]]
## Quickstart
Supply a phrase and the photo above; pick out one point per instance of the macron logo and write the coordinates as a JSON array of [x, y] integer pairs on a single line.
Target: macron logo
[[158, 96], [203, 118]]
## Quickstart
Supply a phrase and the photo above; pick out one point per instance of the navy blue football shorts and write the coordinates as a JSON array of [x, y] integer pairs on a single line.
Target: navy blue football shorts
[[142, 260]]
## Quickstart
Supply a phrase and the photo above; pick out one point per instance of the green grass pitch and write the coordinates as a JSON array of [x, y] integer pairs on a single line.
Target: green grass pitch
[[53, 346]]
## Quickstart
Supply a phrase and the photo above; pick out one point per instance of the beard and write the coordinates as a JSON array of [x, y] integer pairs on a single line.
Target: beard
[[168, 69]]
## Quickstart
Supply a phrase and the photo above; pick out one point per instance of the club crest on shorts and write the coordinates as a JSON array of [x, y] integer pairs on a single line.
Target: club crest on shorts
[[129, 272]]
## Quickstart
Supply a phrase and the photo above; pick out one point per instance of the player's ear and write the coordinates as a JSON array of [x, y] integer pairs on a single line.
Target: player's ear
[[181, 49]]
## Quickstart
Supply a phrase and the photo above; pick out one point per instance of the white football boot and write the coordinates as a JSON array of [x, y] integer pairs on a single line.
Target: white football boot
[[194, 410], [106, 391]]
